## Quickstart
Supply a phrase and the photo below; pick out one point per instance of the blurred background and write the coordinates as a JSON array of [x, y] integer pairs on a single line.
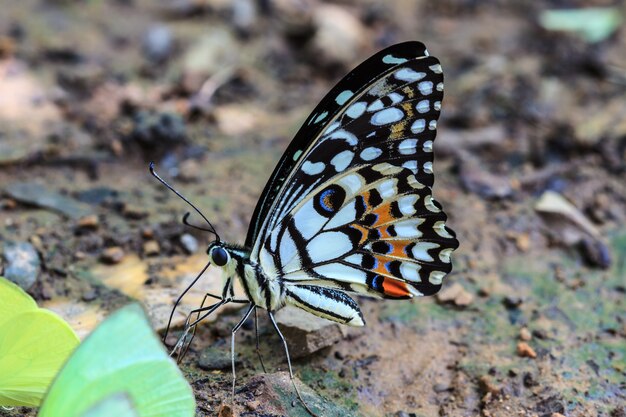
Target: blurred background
[[530, 167]]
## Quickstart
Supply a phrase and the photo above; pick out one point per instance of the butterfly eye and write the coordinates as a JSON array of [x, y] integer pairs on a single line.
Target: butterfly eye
[[220, 256]]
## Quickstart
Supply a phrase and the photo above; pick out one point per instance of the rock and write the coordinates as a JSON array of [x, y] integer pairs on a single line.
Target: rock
[[158, 129], [151, 248], [524, 334], [487, 386], [133, 212], [244, 15], [570, 226], [441, 388], [511, 301], [113, 255], [210, 54], [306, 333], [189, 243], [88, 222], [216, 358], [478, 180], [295, 17], [455, 294], [340, 36], [157, 44], [22, 264], [525, 350], [225, 411], [276, 397], [556, 415], [40, 196]]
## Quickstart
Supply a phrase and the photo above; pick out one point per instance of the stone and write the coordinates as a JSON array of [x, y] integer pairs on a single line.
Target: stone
[[524, 334], [40, 196], [88, 222], [151, 248], [112, 255], [22, 264], [189, 243], [525, 350], [216, 358], [455, 294], [306, 333]]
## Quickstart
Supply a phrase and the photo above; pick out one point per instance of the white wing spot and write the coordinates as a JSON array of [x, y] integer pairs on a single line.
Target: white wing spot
[[412, 165], [425, 87], [311, 168], [390, 59], [440, 87], [343, 97], [418, 126], [407, 146], [409, 75], [297, 154], [436, 68], [342, 160], [436, 277], [440, 229], [331, 128], [410, 271], [387, 116], [423, 106], [420, 251], [375, 106], [444, 255], [320, 117], [428, 146], [345, 135], [395, 98], [432, 125], [356, 109], [370, 153], [437, 105], [428, 167]]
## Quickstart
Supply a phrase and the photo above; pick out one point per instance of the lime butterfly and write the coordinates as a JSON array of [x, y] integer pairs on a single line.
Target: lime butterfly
[[349, 207]]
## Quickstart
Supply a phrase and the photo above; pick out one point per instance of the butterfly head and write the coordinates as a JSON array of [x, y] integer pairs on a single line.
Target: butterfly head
[[218, 254]]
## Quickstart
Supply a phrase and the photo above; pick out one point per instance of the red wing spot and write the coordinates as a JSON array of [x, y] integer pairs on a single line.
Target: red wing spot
[[395, 288]]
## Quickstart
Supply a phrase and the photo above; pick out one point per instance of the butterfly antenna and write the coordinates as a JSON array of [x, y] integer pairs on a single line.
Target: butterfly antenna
[[162, 181], [186, 223]]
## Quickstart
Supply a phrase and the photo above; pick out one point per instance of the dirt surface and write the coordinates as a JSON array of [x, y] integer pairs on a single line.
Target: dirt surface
[[530, 167]]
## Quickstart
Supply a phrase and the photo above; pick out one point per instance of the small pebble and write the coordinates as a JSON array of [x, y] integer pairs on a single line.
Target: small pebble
[[488, 386], [512, 302], [134, 212], [225, 411], [253, 405], [441, 388], [157, 43], [525, 350], [557, 415], [22, 263], [151, 248], [524, 334], [88, 222], [113, 255], [190, 243]]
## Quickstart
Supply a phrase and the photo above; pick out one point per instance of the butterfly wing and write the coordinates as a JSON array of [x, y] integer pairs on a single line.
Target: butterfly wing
[[333, 103], [350, 208]]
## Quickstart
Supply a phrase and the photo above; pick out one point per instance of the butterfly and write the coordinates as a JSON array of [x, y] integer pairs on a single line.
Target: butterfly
[[349, 207]]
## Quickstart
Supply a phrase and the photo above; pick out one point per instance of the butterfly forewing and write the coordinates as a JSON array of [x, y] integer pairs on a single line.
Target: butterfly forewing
[[356, 212], [334, 102]]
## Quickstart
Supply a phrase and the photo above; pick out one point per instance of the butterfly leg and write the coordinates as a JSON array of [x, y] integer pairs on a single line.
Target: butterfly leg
[[182, 346], [256, 333], [282, 338], [232, 345]]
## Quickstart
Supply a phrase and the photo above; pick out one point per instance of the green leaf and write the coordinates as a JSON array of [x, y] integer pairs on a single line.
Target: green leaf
[[123, 355], [34, 344], [593, 24], [117, 405]]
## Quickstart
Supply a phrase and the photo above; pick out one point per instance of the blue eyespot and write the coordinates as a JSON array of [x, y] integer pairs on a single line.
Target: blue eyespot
[[326, 197]]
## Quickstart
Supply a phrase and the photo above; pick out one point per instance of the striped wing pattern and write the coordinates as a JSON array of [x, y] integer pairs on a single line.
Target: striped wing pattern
[[355, 211]]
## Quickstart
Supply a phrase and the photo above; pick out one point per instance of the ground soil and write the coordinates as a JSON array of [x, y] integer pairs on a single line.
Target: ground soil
[[213, 91]]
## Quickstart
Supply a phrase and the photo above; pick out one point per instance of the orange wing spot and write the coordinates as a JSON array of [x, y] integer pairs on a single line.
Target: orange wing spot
[[395, 288], [383, 212], [398, 247]]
